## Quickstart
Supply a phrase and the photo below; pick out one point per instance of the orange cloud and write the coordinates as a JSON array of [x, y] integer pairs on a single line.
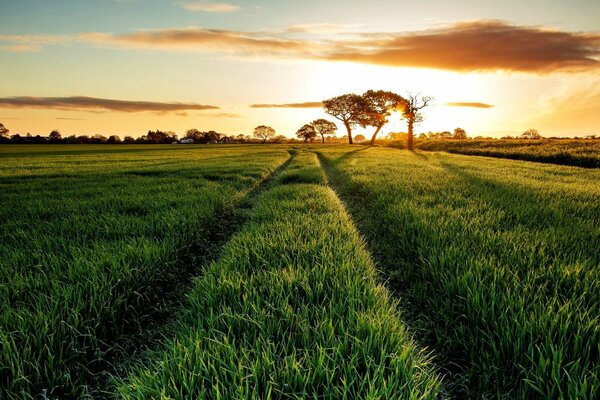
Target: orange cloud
[[465, 46], [479, 46], [95, 104], [473, 104], [308, 104]]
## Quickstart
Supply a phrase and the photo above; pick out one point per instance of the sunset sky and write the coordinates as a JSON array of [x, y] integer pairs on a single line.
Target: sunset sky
[[126, 66]]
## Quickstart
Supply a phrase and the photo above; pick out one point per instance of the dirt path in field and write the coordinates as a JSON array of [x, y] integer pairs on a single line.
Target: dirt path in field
[[151, 329]]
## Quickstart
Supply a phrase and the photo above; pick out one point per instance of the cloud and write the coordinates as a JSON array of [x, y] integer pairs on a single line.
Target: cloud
[[207, 40], [473, 104], [478, 46], [308, 104], [225, 115], [322, 28], [211, 7], [98, 105], [69, 119], [482, 46], [30, 43]]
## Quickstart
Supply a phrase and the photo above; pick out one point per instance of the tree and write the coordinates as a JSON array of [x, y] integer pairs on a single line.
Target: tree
[[360, 138], [307, 132], [460, 134], [280, 139], [324, 127], [412, 113], [445, 135], [378, 106], [264, 132], [158, 137], [3, 131], [347, 108], [113, 139], [531, 134], [55, 136], [194, 134]]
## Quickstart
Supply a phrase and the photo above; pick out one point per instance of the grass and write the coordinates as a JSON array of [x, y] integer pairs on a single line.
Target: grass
[[497, 262], [93, 238], [251, 280], [580, 153], [290, 310]]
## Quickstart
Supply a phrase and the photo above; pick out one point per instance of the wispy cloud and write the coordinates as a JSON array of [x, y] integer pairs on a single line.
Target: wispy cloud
[[473, 104], [96, 104], [207, 40], [210, 7], [225, 115], [30, 43], [308, 104], [322, 28]]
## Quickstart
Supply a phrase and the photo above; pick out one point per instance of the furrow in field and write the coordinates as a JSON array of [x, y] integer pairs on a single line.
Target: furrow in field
[[291, 309]]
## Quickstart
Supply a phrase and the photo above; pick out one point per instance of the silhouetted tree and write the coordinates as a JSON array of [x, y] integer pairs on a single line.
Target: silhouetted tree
[[531, 134], [307, 132], [3, 131], [264, 132], [347, 108], [71, 139], [324, 128], [194, 134], [55, 136], [460, 134], [360, 138], [98, 139], [113, 139], [128, 140], [203, 137], [412, 113], [378, 106], [158, 137]]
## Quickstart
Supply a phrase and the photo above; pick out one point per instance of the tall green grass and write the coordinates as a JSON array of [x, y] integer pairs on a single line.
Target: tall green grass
[[581, 153], [290, 310], [93, 238], [498, 262]]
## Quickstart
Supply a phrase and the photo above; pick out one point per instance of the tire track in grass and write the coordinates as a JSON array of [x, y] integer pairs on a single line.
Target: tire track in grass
[[129, 348], [333, 183], [291, 309]]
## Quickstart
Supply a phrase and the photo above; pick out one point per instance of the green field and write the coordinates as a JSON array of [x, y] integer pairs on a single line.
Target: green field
[[579, 153], [295, 272]]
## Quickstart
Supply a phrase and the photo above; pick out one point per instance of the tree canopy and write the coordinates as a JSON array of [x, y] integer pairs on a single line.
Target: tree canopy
[[347, 108], [324, 128], [307, 132], [378, 106], [264, 132]]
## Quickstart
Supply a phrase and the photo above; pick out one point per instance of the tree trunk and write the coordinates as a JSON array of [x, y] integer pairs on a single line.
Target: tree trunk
[[322, 139], [410, 134], [375, 135], [349, 132]]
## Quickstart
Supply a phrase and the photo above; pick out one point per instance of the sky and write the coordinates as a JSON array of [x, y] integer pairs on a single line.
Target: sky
[[124, 67]]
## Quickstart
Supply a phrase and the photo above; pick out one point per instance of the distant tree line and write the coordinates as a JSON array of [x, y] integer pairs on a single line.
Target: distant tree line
[[371, 109]]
